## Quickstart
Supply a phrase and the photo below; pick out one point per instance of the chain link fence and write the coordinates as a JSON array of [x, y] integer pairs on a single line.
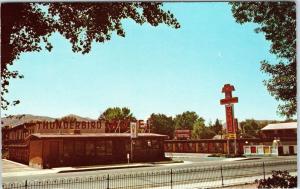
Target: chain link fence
[[202, 177]]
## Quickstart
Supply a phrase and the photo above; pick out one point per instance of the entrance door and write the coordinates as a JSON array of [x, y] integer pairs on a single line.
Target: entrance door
[[291, 150], [118, 150], [280, 150], [53, 157]]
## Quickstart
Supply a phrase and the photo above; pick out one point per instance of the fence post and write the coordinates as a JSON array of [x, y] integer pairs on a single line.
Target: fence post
[[25, 184], [222, 176], [171, 179], [264, 171], [107, 181]]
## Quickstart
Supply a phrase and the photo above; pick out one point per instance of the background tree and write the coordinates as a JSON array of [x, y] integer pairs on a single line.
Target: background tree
[[186, 120], [162, 124], [67, 119], [277, 20], [26, 27], [116, 113], [217, 127], [252, 128], [200, 131]]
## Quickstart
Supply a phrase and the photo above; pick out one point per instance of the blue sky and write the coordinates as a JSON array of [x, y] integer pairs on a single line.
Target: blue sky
[[152, 70]]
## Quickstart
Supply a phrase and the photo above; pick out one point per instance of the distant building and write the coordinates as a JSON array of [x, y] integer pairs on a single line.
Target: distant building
[[183, 134], [280, 131], [60, 143], [277, 139], [283, 137]]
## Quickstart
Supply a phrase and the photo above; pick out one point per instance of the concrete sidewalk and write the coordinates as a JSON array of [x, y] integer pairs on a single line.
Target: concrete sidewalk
[[103, 167], [14, 169]]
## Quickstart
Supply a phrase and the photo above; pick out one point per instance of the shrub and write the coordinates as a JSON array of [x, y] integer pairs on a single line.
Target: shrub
[[279, 179]]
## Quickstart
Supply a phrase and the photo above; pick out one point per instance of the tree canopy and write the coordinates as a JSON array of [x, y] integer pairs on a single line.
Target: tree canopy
[[118, 114], [162, 124], [26, 27], [185, 120], [277, 21], [201, 131]]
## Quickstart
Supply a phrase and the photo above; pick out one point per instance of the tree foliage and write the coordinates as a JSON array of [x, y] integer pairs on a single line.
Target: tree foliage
[[251, 128], [162, 124], [26, 27], [185, 120], [217, 127], [279, 179], [68, 119], [201, 131], [117, 113], [277, 21]]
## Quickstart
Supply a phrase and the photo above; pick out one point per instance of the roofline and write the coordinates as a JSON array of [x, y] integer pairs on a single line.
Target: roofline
[[41, 136]]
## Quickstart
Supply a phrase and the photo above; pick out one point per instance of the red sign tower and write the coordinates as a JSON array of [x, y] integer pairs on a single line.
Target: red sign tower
[[231, 123]]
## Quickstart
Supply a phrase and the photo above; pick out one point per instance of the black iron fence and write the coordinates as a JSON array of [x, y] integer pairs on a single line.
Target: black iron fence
[[202, 177]]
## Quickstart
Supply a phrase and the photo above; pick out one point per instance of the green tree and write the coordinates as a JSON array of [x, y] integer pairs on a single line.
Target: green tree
[[67, 119], [186, 120], [200, 131], [277, 20], [117, 113], [26, 27], [251, 128], [162, 124], [217, 127]]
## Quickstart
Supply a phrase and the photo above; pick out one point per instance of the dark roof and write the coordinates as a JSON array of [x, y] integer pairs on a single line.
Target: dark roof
[[93, 135]]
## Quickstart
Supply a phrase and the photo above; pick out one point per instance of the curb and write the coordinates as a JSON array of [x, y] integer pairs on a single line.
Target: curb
[[232, 185], [16, 163], [103, 168]]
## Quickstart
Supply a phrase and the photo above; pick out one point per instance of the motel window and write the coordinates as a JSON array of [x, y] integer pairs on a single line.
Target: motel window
[[155, 144], [89, 148], [127, 146], [104, 148], [68, 148], [79, 148], [100, 148], [109, 147], [138, 144]]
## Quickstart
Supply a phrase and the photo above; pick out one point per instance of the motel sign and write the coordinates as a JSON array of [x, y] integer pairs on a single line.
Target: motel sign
[[228, 101]]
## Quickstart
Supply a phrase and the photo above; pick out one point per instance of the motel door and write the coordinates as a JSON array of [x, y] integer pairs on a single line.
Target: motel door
[[280, 150], [118, 150], [291, 150], [53, 157]]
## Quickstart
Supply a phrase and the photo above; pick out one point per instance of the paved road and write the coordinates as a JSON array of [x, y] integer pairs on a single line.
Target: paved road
[[187, 173]]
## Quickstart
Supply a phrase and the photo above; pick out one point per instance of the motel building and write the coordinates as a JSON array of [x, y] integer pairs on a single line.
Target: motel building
[[280, 139], [59, 144], [276, 139]]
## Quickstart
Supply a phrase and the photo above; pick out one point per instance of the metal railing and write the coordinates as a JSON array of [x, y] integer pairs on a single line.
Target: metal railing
[[202, 177]]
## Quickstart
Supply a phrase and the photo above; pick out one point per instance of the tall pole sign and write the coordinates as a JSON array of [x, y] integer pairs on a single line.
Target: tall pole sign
[[228, 101]]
